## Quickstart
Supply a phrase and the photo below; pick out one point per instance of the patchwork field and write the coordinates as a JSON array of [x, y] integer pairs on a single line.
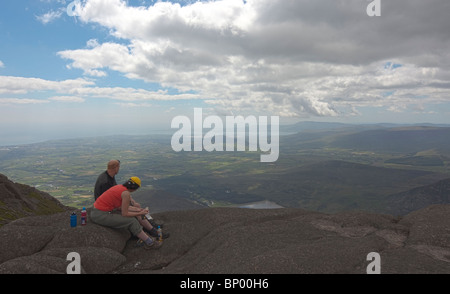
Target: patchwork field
[[328, 169]]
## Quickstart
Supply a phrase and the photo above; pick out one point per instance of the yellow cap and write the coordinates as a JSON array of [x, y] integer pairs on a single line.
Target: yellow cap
[[136, 180]]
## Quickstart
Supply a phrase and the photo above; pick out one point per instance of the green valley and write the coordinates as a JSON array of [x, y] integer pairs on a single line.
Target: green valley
[[330, 168]]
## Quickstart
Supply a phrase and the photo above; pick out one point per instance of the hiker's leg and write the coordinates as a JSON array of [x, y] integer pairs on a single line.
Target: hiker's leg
[[116, 221], [143, 236], [145, 223]]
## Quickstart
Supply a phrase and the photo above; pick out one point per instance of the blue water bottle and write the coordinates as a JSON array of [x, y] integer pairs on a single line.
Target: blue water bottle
[[73, 220]]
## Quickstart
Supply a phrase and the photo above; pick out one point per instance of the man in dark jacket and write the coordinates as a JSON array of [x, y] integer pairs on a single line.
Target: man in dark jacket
[[107, 178]]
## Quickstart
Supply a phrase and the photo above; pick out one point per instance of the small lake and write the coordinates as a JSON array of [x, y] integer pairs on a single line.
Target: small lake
[[266, 204]]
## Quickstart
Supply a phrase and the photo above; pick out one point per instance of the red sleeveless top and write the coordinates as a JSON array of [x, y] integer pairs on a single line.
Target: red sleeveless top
[[111, 199]]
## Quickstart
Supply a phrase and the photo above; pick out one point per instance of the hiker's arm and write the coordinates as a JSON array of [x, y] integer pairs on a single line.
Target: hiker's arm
[[134, 203], [126, 211], [134, 209]]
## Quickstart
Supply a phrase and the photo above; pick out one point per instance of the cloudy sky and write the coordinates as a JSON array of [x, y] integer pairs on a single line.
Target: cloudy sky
[[93, 67]]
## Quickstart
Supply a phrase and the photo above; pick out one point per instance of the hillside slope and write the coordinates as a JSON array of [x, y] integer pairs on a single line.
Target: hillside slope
[[18, 200], [414, 199], [330, 186]]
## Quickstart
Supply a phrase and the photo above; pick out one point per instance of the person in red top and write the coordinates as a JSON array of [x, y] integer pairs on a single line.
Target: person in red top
[[117, 199]]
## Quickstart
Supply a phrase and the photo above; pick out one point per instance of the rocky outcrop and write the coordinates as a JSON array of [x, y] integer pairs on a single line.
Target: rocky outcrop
[[40, 244], [237, 241], [18, 200], [221, 240]]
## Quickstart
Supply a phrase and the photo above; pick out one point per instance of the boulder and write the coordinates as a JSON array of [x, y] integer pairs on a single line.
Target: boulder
[[41, 244], [293, 241], [237, 241]]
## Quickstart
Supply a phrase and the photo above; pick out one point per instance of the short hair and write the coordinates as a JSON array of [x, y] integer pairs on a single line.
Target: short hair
[[113, 163]]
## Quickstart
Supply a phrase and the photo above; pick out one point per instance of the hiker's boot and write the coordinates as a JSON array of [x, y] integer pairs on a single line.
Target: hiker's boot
[[154, 245], [154, 233]]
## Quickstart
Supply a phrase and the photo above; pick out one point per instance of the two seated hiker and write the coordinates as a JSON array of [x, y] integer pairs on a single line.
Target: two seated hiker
[[115, 208]]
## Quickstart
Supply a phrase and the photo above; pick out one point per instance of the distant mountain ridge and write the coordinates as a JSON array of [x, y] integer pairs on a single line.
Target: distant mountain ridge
[[379, 138], [316, 126], [401, 140]]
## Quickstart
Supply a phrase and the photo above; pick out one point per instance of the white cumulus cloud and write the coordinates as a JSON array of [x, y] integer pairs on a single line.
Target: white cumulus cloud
[[49, 16], [292, 58], [69, 99], [10, 101], [22, 85], [79, 89]]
